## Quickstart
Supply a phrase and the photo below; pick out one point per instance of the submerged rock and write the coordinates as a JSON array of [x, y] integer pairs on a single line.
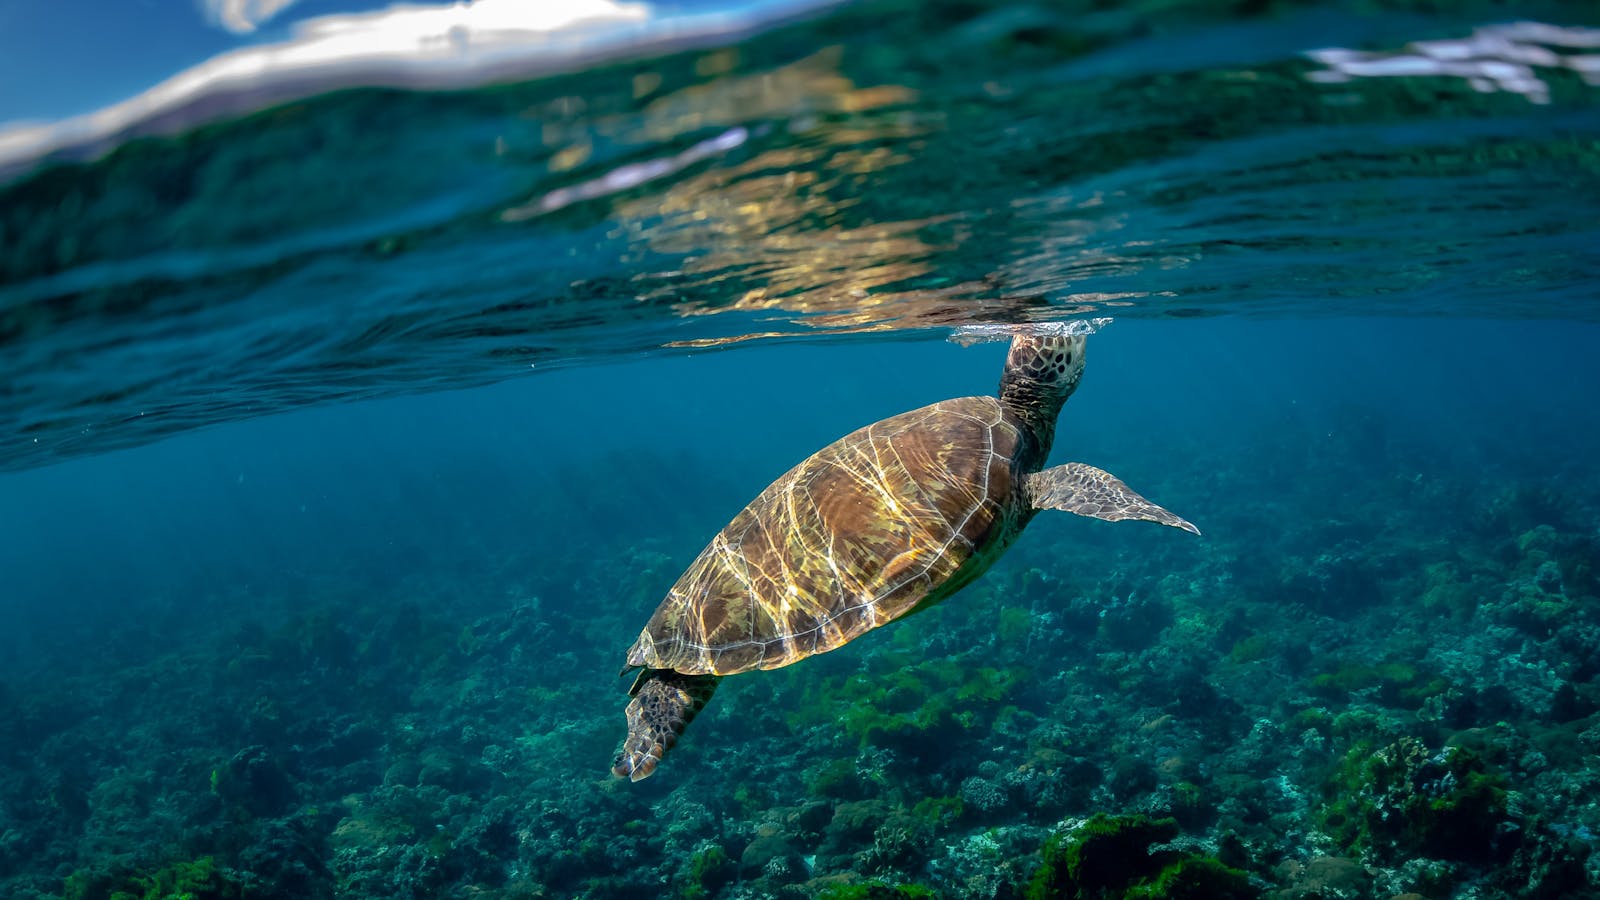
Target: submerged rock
[[1323, 878]]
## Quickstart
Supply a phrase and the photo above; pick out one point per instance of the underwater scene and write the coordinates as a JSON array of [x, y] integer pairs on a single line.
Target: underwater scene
[[1181, 418]]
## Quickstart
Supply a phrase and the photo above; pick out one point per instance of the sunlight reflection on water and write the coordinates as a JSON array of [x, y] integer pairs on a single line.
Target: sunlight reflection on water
[[1514, 58]]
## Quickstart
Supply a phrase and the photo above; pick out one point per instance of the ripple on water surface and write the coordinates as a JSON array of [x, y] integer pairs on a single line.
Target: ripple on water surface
[[866, 170]]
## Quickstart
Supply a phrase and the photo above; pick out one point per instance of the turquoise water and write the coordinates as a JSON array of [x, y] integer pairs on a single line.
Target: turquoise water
[[349, 444]]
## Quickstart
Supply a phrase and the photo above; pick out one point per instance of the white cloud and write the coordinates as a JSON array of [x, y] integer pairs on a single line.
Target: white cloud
[[242, 16]]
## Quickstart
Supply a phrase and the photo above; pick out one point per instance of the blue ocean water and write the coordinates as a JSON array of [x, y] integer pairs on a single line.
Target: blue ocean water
[[348, 445]]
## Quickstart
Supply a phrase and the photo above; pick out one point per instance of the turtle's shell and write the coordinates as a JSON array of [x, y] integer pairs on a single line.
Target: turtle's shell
[[894, 516]]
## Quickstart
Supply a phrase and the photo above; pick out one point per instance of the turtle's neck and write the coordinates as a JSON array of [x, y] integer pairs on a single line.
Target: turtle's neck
[[1036, 407]]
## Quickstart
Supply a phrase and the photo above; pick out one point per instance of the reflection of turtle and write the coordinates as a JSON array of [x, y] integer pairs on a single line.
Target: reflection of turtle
[[888, 519]]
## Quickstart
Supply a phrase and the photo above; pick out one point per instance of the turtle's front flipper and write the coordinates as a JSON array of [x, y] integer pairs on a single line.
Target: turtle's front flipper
[[664, 703], [1087, 491]]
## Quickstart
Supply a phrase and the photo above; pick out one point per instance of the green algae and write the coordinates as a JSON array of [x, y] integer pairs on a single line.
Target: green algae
[[835, 779], [1116, 857], [876, 890], [198, 879], [1252, 648], [1397, 684], [1194, 878], [710, 868], [1189, 804], [938, 812], [1014, 625], [1313, 718], [1401, 800], [919, 706]]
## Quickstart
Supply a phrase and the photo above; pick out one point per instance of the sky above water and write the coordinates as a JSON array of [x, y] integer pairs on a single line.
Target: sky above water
[[69, 57]]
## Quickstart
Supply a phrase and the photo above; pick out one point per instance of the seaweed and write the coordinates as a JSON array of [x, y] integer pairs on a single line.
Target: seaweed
[[1116, 857]]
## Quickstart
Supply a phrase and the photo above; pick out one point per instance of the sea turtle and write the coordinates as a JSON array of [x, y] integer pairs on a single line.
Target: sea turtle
[[889, 519]]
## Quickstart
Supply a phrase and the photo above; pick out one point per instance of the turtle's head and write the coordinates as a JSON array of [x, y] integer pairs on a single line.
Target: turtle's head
[[1043, 368], [1041, 372]]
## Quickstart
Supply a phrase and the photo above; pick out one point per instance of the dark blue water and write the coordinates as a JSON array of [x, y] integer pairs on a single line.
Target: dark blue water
[[348, 445]]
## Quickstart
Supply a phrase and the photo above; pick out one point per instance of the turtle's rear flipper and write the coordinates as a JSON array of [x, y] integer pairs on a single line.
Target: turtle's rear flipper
[[1087, 491], [664, 703]]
